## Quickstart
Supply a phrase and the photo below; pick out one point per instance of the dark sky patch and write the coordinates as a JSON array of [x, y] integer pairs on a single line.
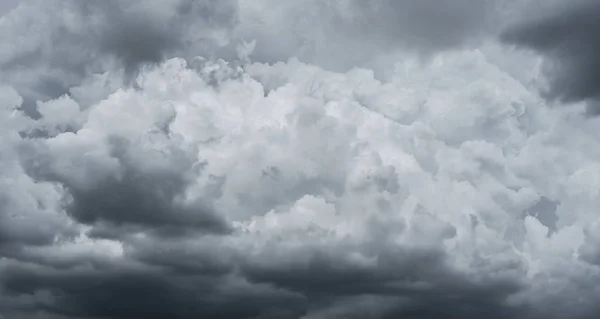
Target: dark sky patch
[[568, 37]]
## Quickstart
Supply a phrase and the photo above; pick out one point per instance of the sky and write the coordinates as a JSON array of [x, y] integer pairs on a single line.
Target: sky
[[267, 159]]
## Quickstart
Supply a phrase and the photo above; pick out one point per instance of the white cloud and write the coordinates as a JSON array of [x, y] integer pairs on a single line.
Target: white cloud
[[326, 163]]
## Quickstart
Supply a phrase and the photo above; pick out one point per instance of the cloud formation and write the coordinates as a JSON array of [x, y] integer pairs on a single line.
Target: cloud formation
[[163, 185], [61, 43], [342, 34], [54, 45], [566, 34]]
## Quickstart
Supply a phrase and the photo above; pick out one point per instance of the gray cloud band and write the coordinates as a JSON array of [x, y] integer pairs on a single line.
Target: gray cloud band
[[59, 43]]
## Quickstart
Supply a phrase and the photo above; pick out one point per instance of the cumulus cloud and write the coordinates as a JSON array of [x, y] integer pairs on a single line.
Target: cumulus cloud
[[51, 46], [219, 186]]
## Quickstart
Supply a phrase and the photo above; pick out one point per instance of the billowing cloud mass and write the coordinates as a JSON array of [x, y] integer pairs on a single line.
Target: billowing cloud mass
[[51, 46], [192, 159]]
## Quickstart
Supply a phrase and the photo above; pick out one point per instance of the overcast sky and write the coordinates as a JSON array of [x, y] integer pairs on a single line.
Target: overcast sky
[[7, 6], [305, 159]]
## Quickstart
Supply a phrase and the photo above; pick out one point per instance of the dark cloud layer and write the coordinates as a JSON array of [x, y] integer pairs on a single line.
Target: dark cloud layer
[[136, 291], [568, 37]]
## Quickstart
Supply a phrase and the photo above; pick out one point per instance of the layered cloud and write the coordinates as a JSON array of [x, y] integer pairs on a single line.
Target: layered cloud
[[156, 184]]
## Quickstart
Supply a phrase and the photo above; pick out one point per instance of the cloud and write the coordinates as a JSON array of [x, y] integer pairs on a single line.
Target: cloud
[[60, 43], [565, 34], [340, 35], [8, 5], [280, 183], [54, 45], [190, 198]]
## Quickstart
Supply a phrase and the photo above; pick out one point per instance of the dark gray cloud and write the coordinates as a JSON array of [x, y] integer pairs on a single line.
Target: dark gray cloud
[[152, 284], [136, 196], [201, 277], [64, 41], [418, 282], [567, 35]]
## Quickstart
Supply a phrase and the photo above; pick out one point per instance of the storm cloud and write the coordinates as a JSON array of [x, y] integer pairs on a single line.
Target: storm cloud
[[52, 46], [566, 34], [245, 159]]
